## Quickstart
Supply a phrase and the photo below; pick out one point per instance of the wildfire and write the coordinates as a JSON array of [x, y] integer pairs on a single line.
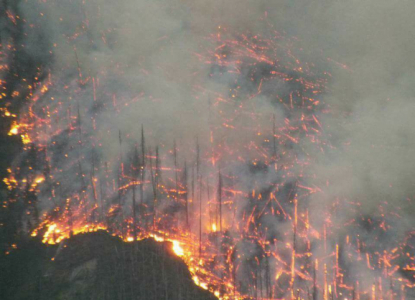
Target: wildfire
[[214, 227], [177, 248], [236, 212], [56, 233], [15, 129]]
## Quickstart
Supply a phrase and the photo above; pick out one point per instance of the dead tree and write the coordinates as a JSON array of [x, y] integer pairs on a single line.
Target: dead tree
[[220, 200]]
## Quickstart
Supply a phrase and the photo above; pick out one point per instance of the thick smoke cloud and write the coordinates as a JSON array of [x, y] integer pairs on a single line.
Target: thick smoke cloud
[[372, 103]]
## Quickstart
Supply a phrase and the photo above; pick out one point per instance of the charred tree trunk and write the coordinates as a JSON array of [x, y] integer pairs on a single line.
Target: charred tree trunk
[[143, 165], [220, 201], [176, 171], [200, 218], [186, 195]]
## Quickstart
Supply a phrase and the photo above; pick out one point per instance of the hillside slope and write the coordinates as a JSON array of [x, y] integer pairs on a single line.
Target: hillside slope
[[96, 266]]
